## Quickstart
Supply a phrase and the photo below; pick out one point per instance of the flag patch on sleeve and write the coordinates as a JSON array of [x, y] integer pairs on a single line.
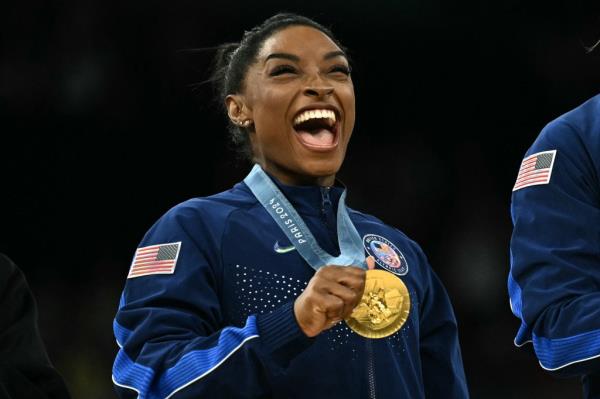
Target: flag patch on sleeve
[[535, 169], [155, 259]]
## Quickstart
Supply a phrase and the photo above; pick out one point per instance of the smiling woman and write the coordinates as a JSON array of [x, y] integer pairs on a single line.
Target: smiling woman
[[275, 288], [300, 99]]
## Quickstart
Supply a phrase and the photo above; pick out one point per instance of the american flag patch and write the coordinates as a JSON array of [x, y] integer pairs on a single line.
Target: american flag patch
[[155, 259], [535, 169]]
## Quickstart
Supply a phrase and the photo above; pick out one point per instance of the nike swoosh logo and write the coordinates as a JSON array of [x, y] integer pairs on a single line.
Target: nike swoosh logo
[[282, 250]]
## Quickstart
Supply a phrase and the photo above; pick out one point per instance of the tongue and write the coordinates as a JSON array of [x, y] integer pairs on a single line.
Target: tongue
[[321, 137]]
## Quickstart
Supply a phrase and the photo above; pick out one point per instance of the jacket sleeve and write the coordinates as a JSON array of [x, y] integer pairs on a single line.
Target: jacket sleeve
[[554, 281], [170, 328], [443, 372]]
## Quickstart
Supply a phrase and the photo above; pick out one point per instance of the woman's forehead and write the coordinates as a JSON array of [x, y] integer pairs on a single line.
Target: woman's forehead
[[299, 40]]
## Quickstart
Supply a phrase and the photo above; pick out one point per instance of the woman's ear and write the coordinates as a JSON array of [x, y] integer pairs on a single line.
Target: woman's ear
[[237, 110]]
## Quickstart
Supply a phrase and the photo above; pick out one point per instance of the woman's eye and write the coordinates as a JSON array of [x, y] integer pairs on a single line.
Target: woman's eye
[[341, 69], [282, 69]]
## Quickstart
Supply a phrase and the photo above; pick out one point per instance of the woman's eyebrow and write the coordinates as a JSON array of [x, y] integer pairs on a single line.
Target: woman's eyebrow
[[295, 58], [334, 54], [286, 56]]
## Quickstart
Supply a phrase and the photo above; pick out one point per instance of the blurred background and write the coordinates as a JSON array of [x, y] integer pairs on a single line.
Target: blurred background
[[103, 127]]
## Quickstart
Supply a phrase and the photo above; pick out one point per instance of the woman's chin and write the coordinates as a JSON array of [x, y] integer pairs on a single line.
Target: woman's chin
[[320, 169]]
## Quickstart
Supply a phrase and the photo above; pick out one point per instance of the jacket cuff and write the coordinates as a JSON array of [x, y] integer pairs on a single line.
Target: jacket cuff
[[280, 333]]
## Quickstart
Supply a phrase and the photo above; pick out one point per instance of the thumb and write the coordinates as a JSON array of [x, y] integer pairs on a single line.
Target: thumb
[[370, 262]]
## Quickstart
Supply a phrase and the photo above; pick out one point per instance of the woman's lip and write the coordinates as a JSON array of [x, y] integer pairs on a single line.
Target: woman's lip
[[321, 148], [317, 106]]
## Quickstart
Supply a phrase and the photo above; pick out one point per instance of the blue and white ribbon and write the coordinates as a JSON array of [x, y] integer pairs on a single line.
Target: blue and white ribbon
[[290, 222]]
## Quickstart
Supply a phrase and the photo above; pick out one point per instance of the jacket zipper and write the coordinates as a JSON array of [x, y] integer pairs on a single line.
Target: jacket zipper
[[371, 369], [326, 206], [372, 387], [325, 200], [327, 214]]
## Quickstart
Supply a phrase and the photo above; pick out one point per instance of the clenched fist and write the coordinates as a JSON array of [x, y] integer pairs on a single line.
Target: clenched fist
[[329, 297]]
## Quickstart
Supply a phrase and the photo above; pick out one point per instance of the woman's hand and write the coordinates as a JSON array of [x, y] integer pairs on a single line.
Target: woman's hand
[[329, 297]]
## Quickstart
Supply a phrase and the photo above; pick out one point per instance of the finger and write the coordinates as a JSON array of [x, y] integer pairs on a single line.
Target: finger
[[333, 306], [350, 297], [355, 282], [349, 276], [334, 272], [348, 289], [330, 280], [370, 262]]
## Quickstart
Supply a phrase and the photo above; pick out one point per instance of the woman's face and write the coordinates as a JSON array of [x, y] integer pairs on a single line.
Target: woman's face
[[300, 96]]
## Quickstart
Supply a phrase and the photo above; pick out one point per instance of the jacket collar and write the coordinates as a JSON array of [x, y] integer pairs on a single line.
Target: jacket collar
[[309, 200]]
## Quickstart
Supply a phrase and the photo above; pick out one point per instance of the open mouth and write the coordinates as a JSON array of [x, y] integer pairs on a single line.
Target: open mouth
[[317, 128]]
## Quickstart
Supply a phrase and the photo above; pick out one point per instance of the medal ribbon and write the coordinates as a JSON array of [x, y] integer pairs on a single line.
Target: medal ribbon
[[288, 219]]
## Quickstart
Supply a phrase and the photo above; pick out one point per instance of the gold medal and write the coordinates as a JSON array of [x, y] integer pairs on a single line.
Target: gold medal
[[384, 306]]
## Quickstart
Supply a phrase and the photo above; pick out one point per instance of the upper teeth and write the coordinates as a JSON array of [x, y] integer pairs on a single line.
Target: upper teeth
[[316, 114]]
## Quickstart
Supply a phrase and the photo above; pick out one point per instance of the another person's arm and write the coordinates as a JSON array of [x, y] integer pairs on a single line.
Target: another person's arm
[[554, 283]]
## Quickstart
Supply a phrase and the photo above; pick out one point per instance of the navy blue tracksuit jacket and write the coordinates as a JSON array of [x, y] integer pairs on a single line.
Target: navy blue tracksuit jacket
[[554, 281], [216, 319]]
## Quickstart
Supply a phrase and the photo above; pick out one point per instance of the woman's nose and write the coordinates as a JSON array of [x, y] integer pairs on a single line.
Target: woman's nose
[[318, 91]]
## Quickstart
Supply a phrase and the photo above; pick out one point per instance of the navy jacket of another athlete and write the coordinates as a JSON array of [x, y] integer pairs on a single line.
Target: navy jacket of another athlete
[[222, 324], [554, 282]]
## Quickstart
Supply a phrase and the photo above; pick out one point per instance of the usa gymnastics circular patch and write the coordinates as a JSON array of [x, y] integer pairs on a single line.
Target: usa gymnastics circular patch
[[386, 254]]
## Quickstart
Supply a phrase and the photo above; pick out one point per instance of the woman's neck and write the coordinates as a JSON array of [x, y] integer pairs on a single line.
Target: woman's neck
[[291, 178]]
